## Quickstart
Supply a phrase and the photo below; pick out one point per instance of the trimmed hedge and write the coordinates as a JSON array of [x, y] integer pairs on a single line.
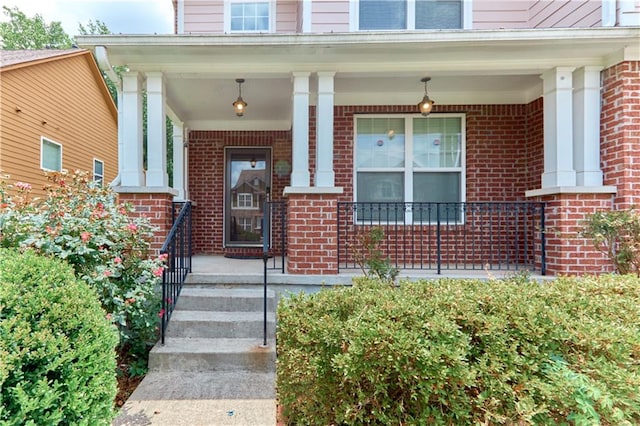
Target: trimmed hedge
[[463, 352], [57, 349]]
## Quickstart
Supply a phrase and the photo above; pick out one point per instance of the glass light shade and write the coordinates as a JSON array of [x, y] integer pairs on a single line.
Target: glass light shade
[[239, 106], [425, 105]]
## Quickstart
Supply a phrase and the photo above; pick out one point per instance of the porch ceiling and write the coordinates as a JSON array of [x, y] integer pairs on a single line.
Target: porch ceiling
[[483, 67]]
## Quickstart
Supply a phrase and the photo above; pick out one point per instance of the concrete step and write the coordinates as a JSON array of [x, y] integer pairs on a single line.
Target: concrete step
[[208, 355], [224, 299], [211, 325]]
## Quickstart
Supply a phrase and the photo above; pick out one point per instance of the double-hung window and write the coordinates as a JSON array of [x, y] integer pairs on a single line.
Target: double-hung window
[[250, 16], [98, 171], [408, 159], [245, 200], [409, 14], [50, 155]]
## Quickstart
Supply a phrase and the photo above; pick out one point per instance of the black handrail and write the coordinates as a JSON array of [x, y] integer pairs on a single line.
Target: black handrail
[[447, 235], [177, 248]]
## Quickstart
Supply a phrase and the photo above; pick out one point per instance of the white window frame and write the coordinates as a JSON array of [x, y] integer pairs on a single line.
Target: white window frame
[[242, 196], [246, 224], [101, 181], [408, 169], [227, 16], [354, 16], [44, 140]]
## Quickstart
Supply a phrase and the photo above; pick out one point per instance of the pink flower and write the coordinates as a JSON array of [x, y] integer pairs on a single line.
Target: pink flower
[[117, 260], [23, 186], [163, 257], [107, 273], [109, 317], [161, 313], [132, 227], [158, 271], [84, 236]]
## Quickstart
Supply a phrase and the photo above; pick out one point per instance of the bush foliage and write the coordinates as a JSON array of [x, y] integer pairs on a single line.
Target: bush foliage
[[57, 357], [82, 223], [617, 235], [463, 352]]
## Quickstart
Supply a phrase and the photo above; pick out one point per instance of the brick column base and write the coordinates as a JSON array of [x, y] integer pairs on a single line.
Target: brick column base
[[155, 206], [312, 230], [566, 252]]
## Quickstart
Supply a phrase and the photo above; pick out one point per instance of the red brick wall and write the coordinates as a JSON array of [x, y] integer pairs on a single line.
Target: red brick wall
[[504, 158], [620, 132], [206, 179], [155, 207], [567, 253], [312, 230]]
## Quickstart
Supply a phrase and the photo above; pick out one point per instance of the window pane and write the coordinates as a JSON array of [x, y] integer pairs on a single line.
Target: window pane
[[380, 142], [97, 167], [436, 187], [51, 156], [437, 142], [252, 16], [385, 191], [383, 14], [438, 14]]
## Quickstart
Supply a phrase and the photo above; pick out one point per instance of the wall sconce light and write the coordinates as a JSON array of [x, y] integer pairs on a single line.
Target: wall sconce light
[[239, 105], [253, 163], [426, 105]]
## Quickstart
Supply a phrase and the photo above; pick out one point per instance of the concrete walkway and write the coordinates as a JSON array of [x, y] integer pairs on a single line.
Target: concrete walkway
[[202, 399]]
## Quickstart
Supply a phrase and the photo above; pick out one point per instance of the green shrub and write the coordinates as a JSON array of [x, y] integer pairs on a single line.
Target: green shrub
[[616, 234], [82, 223], [57, 349], [463, 352]]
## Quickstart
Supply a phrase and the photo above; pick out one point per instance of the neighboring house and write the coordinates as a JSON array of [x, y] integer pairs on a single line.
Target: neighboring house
[[535, 101], [55, 113]]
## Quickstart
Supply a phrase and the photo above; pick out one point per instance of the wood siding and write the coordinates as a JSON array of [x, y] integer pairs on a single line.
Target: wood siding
[[490, 14], [287, 16], [63, 99], [330, 16], [201, 16]]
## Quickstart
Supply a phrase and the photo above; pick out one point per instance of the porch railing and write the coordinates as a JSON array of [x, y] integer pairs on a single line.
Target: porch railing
[[275, 235], [446, 236], [177, 247]]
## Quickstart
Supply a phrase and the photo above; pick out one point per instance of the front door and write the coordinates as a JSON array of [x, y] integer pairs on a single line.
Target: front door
[[247, 184]]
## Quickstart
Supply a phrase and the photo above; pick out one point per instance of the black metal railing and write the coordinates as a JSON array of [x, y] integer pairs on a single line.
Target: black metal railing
[[177, 248], [446, 236], [275, 233]]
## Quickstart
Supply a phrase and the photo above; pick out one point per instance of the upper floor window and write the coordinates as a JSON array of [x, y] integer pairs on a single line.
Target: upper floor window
[[98, 171], [50, 155], [244, 200], [409, 14], [250, 16]]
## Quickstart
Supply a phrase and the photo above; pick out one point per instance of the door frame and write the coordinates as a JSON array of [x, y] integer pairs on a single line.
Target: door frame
[[247, 152]]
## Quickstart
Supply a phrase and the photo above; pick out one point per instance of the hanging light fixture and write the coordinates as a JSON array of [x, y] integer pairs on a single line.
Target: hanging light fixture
[[253, 163], [426, 105], [239, 105]]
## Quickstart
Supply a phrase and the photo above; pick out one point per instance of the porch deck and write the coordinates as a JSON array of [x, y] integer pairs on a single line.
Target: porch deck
[[211, 269]]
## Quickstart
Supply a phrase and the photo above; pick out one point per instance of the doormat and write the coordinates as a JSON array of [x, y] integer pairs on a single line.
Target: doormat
[[245, 256]]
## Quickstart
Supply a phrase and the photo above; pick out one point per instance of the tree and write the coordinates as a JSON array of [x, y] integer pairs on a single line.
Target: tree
[[22, 32]]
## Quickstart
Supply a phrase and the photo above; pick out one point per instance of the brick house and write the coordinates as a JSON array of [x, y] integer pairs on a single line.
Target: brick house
[[536, 106]]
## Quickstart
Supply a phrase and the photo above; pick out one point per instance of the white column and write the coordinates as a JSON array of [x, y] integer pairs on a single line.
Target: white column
[[324, 175], [586, 126], [131, 173], [156, 131], [300, 168], [558, 128], [178, 161]]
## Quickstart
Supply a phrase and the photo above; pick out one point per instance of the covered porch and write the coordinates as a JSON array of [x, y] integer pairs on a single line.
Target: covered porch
[[527, 104]]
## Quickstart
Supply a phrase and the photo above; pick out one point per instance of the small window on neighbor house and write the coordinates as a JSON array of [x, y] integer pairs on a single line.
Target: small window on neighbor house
[[98, 171], [245, 200], [249, 16], [50, 155]]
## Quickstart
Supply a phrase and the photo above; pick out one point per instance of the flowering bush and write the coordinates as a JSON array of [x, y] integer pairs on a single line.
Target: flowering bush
[[83, 223]]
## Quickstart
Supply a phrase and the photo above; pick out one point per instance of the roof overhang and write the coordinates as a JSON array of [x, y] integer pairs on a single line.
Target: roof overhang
[[467, 67]]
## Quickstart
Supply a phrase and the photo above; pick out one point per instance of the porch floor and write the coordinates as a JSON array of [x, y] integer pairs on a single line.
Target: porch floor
[[213, 269]]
